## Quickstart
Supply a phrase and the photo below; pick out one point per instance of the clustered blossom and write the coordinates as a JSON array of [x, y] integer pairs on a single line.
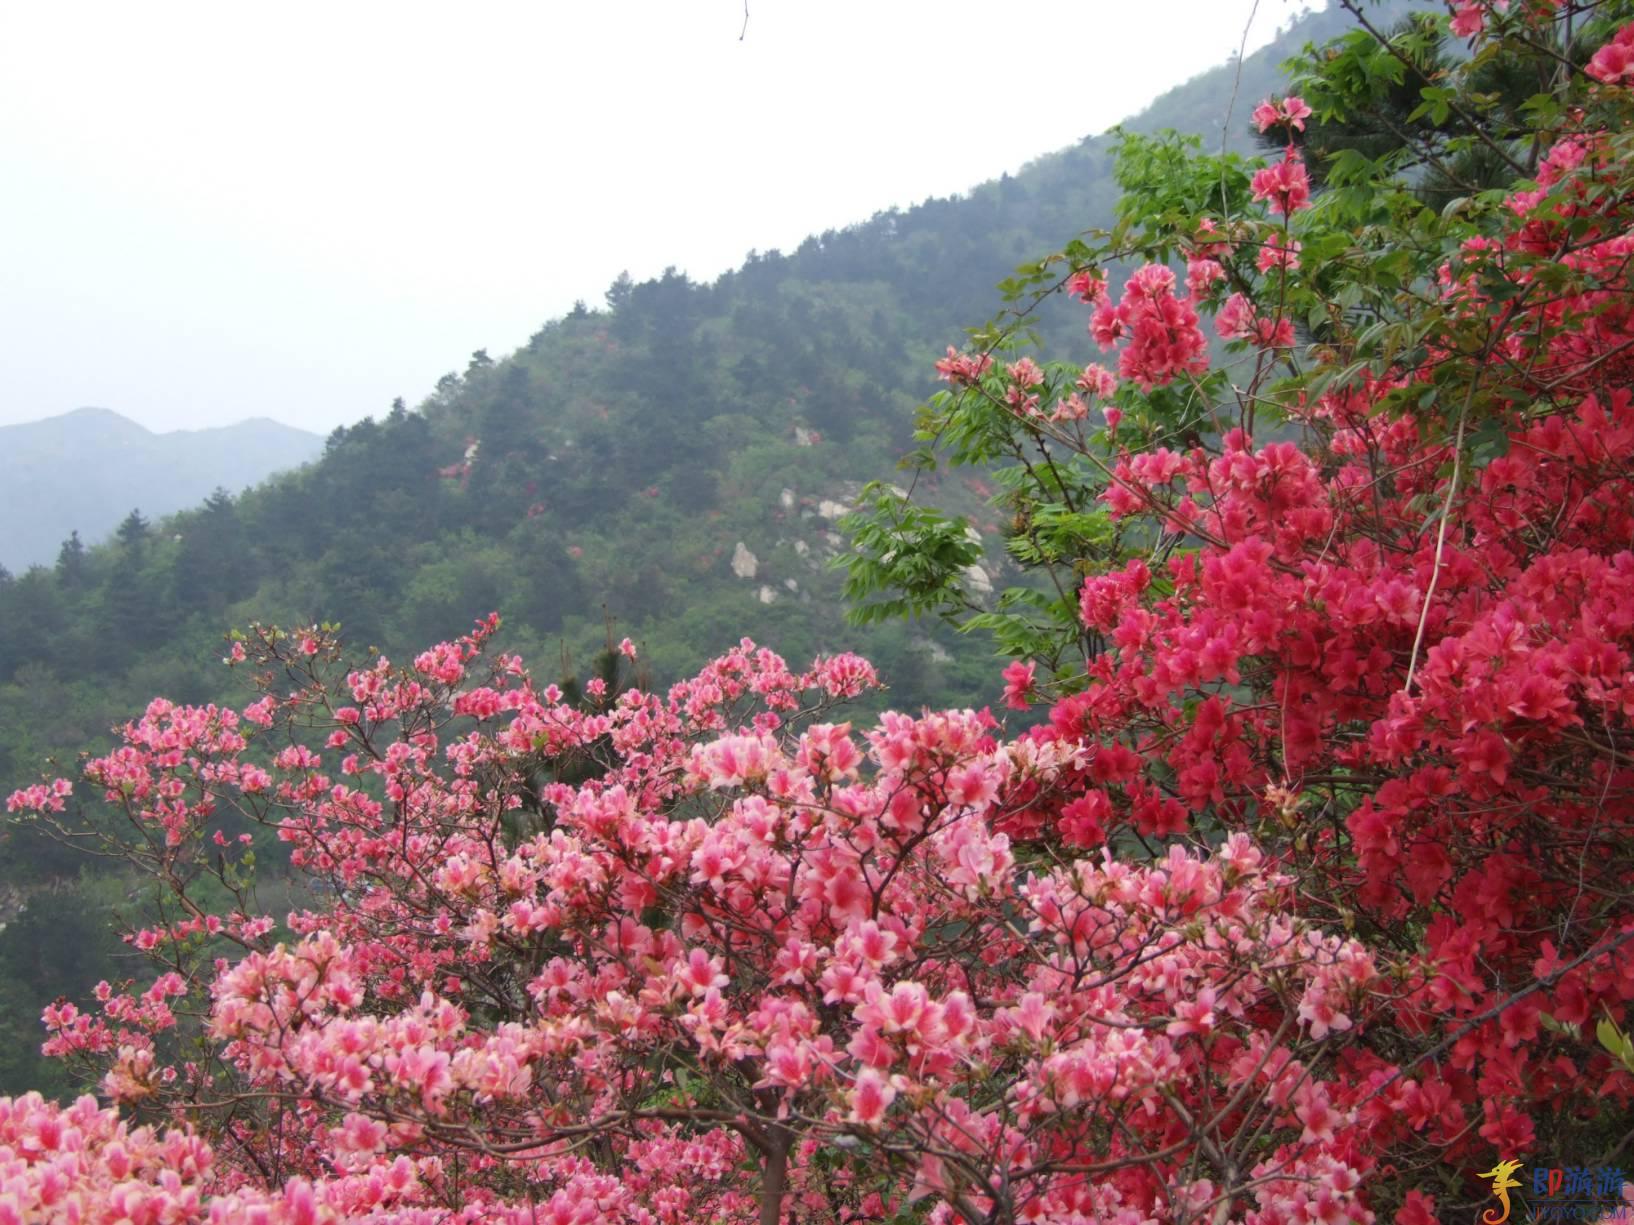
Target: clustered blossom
[[1022, 393], [1238, 320], [963, 369], [1290, 112], [1158, 330], [1419, 673], [829, 926], [1202, 275], [1280, 253], [1018, 684], [1088, 286], [1208, 242], [80, 1163], [41, 797], [1284, 185]]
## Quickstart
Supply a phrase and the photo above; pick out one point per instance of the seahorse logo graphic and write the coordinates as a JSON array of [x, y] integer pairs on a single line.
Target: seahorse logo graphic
[[1502, 1178]]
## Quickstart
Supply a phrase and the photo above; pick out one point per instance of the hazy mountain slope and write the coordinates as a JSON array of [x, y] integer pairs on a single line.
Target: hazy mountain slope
[[86, 470], [613, 465]]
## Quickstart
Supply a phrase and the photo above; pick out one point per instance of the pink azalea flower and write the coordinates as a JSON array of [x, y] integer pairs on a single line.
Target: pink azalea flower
[[1468, 20], [1283, 185], [1291, 111], [871, 1096], [1018, 684], [1614, 62], [1098, 381]]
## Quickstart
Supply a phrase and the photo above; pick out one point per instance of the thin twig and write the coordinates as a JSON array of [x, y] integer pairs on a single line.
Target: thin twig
[[1441, 532], [1231, 103]]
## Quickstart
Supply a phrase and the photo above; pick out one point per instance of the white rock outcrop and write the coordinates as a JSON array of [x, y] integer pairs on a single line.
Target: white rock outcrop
[[744, 563]]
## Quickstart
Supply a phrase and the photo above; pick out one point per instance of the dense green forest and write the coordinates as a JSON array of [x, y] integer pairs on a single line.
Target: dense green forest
[[670, 463]]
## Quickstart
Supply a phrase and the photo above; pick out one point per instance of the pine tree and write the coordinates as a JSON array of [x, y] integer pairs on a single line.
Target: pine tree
[[71, 562]]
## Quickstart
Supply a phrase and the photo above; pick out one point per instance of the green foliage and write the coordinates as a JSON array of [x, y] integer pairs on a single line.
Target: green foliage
[[1616, 1042], [59, 943], [906, 560]]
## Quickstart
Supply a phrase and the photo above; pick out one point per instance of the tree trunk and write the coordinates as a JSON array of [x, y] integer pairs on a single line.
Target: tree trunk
[[774, 1175]]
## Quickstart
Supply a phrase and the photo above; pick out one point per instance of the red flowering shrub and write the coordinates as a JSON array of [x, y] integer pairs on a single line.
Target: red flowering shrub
[[1364, 590]]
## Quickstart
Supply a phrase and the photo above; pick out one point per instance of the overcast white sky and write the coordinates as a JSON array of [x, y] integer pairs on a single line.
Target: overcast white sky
[[213, 211]]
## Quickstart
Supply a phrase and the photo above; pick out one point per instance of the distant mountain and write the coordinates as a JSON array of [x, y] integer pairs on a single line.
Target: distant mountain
[[86, 470]]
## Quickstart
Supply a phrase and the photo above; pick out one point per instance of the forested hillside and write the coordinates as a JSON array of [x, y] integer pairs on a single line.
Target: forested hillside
[[672, 461]]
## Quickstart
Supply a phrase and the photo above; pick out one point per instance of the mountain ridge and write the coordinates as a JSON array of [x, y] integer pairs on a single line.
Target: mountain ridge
[[86, 469], [103, 413]]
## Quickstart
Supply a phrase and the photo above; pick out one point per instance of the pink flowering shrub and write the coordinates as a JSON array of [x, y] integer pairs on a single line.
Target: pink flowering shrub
[[761, 962]]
